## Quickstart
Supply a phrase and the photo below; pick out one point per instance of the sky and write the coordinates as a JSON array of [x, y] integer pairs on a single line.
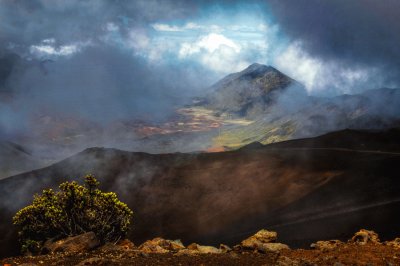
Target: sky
[[107, 60]]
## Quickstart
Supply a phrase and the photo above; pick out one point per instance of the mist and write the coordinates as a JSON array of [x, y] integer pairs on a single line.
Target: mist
[[77, 74]]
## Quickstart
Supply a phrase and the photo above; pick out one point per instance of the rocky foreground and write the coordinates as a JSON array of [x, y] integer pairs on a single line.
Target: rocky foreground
[[364, 248]]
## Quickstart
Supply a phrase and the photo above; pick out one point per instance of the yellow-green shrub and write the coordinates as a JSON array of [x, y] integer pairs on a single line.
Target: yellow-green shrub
[[73, 210]]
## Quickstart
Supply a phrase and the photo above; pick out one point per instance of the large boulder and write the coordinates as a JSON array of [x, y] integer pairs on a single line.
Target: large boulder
[[326, 245], [363, 237], [75, 244]]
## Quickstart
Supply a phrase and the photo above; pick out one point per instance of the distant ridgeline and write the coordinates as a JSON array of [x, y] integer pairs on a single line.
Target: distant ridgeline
[[281, 109]]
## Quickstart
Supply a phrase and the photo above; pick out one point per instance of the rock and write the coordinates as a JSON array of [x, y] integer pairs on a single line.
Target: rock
[[263, 241], [176, 245], [126, 244], [363, 237], [326, 245], [160, 245], [261, 237], [204, 249], [394, 243], [75, 244], [224, 248], [272, 247], [237, 248]]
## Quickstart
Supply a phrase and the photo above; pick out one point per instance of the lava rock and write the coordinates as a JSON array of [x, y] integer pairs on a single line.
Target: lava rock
[[160, 245], [261, 237], [363, 237], [75, 244], [394, 243], [263, 241], [272, 247], [204, 249], [326, 245]]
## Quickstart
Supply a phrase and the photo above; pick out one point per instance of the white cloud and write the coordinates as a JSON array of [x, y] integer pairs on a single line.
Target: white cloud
[[216, 52], [221, 48], [49, 41], [191, 26], [209, 43], [299, 66], [112, 27], [166, 27], [138, 39], [224, 60], [42, 50], [174, 28], [319, 76], [48, 48]]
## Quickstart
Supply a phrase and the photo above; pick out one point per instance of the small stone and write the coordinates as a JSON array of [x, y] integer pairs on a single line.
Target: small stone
[[224, 248], [326, 245]]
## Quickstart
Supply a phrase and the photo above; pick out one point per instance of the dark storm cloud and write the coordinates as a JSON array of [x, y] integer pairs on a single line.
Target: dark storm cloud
[[27, 22], [104, 80], [353, 33]]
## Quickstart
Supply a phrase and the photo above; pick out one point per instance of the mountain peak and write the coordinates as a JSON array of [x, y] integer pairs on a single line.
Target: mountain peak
[[256, 66], [251, 91]]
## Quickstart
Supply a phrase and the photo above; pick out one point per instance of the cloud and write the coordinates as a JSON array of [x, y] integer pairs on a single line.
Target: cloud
[[191, 26], [48, 49], [217, 52], [320, 77], [165, 27], [349, 34], [209, 43], [173, 28]]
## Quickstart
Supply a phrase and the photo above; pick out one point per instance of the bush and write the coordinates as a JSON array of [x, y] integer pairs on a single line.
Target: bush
[[73, 210]]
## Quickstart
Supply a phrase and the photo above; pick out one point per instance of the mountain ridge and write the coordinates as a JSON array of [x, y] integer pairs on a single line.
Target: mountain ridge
[[208, 197], [250, 91]]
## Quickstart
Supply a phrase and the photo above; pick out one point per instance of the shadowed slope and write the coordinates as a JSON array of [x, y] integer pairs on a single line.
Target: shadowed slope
[[220, 197]]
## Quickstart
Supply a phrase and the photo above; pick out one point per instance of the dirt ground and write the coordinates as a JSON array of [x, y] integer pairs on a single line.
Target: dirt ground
[[348, 254]]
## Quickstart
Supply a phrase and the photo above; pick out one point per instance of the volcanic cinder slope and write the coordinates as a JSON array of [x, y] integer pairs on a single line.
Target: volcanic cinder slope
[[309, 189], [16, 159], [278, 108]]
